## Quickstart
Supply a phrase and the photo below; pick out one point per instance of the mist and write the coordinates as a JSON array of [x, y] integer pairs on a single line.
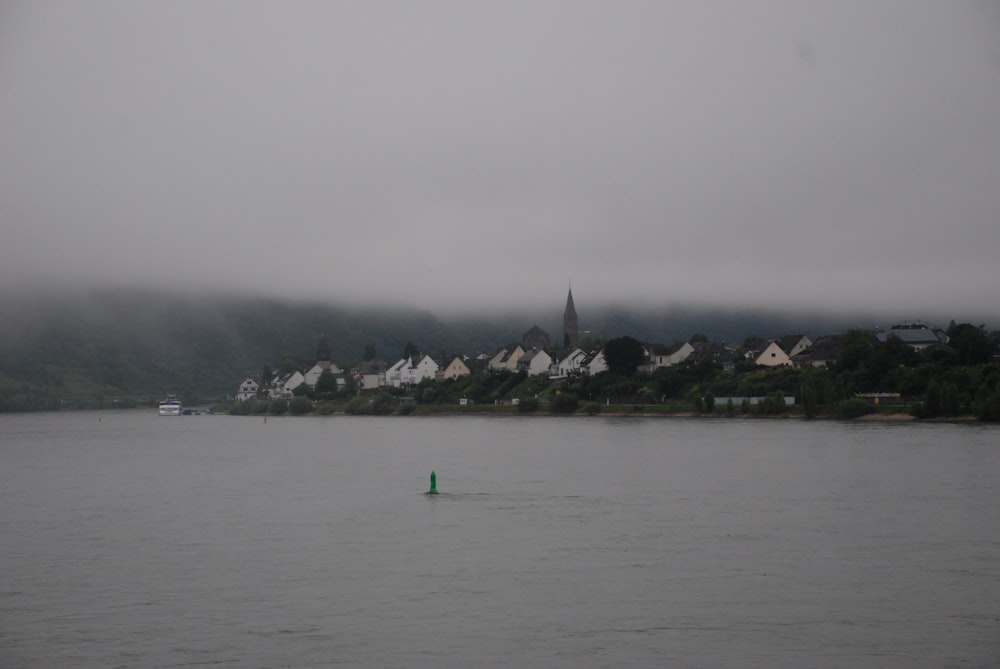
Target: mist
[[826, 157]]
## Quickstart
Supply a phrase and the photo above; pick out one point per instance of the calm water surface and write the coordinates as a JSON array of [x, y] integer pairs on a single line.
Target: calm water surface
[[131, 540]]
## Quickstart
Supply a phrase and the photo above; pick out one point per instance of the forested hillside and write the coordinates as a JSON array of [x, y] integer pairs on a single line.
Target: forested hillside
[[75, 350]]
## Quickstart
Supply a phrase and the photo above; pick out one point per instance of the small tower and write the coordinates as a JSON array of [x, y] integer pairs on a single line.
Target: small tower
[[323, 353], [571, 327]]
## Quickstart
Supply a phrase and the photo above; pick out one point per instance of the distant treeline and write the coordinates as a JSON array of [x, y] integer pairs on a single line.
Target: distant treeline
[[123, 349]]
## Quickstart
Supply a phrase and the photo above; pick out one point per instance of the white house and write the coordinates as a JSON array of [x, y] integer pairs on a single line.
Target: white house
[[534, 362], [248, 389], [667, 356], [407, 373], [595, 363], [283, 386], [571, 364], [773, 356], [425, 369], [794, 344], [394, 374], [314, 372]]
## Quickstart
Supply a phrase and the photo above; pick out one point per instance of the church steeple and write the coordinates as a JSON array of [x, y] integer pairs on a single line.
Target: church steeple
[[571, 328], [323, 353]]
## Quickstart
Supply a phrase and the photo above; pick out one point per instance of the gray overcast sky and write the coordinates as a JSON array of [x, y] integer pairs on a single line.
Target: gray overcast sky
[[456, 154]]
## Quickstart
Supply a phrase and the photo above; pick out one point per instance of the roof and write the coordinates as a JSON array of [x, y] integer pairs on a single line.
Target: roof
[[919, 334], [706, 350], [823, 349], [788, 342]]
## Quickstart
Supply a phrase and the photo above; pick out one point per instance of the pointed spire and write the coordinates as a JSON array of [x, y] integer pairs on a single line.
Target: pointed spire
[[323, 350], [571, 327]]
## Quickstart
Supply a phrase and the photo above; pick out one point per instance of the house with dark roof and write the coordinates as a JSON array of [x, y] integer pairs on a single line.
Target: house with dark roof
[[713, 352], [661, 355], [456, 367], [823, 353], [779, 352], [918, 336], [773, 356], [794, 344]]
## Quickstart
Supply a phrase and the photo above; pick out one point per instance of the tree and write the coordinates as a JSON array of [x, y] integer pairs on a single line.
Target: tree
[[810, 398], [972, 345], [856, 347], [623, 355], [289, 364], [410, 350], [350, 385], [326, 385], [697, 338], [369, 352], [266, 376]]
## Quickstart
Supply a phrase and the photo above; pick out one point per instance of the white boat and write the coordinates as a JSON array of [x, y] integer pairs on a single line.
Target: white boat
[[171, 406]]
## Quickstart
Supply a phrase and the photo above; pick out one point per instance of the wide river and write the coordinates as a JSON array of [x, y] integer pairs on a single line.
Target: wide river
[[131, 540]]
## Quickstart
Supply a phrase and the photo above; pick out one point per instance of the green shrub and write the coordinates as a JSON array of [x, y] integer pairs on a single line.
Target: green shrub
[[529, 405], [300, 405], [279, 406], [383, 405], [563, 403], [853, 408], [592, 408], [988, 408], [357, 406]]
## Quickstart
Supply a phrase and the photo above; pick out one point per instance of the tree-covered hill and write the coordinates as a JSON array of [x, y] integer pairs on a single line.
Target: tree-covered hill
[[59, 349]]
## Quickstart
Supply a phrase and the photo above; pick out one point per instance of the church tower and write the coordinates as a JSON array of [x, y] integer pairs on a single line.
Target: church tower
[[323, 353], [571, 328]]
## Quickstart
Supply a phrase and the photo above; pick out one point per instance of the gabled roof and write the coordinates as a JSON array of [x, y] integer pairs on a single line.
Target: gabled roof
[[823, 349], [664, 349], [707, 350], [531, 355], [788, 342]]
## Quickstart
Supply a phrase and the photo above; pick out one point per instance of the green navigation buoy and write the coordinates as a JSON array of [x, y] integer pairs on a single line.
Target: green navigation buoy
[[434, 484]]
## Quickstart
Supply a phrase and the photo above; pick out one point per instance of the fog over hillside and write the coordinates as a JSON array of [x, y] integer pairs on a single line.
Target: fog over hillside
[[467, 158]]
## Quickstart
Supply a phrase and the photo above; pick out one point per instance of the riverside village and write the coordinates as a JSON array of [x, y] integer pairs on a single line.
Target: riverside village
[[905, 370]]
